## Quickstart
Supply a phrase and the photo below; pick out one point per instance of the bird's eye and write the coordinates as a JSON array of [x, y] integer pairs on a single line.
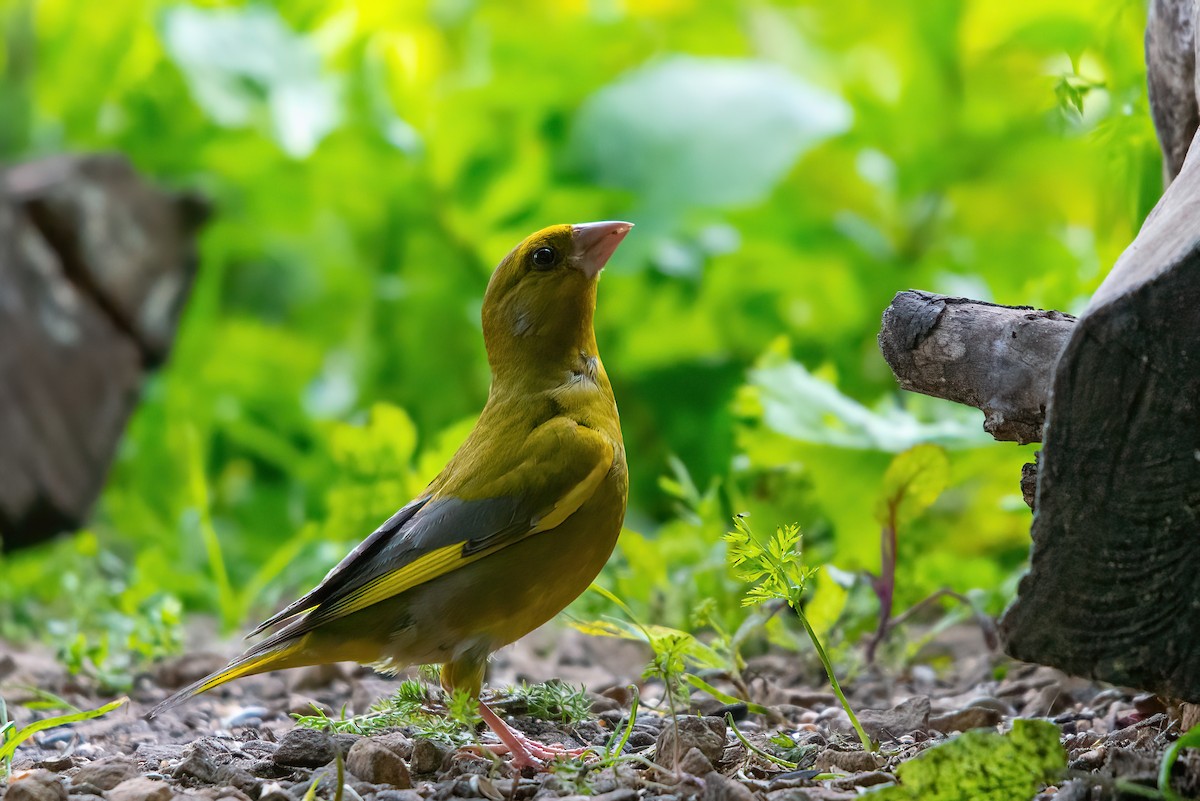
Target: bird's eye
[[544, 257]]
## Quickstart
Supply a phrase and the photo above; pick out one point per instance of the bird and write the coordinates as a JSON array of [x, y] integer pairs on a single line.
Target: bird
[[518, 523]]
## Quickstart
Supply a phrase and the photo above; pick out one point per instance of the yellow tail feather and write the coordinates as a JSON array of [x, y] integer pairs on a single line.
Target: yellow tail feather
[[246, 665]]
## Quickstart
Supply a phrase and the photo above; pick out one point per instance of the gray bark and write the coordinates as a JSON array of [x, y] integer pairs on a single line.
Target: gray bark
[[1171, 79], [999, 359], [1112, 592]]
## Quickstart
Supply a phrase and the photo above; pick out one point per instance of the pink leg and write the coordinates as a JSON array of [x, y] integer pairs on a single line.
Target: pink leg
[[525, 752]]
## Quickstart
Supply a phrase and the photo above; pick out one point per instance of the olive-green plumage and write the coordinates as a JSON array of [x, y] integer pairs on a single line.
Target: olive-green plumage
[[518, 523]]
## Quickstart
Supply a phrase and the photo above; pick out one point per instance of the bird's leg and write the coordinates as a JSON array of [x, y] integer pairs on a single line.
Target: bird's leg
[[525, 752]]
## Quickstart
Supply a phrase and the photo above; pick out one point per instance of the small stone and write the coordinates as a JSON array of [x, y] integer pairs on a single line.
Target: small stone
[[1148, 704], [869, 779], [251, 716], [345, 741], [39, 785], [1049, 701], [305, 748], [966, 719], [398, 795], [991, 702], [886, 725], [720, 788], [58, 763], [140, 788], [706, 734], [848, 761], [303, 705], [622, 794], [395, 742], [427, 756], [375, 763], [198, 763], [106, 773], [273, 791], [695, 763], [602, 703]]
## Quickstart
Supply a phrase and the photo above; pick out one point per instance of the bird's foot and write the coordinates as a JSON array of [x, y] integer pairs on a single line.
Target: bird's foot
[[526, 753]]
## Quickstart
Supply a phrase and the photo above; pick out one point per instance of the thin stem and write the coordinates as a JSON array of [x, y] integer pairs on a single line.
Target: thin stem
[[867, 742], [755, 749]]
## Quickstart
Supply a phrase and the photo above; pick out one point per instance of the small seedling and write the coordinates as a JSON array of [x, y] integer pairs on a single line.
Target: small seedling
[[775, 571], [11, 736]]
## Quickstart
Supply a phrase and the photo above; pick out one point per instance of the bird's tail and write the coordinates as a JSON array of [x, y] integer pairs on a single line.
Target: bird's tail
[[272, 654]]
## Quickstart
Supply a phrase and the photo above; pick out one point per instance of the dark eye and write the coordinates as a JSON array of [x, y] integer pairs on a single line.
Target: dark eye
[[544, 257]]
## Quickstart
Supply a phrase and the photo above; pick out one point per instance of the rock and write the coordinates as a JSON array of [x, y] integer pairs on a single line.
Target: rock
[[989, 702], [848, 761], [398, 795], [198, 763], [106, 773], [885, 725], [706, 734], [375, 763], [316, 677], [1050, 700], [273, 791], [305, 748], [695, 763], [39, 785], [140, 788], [396, 742], [248, 717], [719, 788], [869, 779], [622, 794], [966, 719], [57, 763], [427, 756], [156, 757]]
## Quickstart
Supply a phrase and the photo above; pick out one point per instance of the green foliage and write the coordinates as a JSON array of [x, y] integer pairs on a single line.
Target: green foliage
[[12, 735], [551, 700], [411, 705], [789, 166], [911, 483], [984, 766], [774, 571]]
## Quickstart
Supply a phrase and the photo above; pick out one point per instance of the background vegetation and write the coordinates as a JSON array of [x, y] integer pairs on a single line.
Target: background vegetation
[[790, 166]]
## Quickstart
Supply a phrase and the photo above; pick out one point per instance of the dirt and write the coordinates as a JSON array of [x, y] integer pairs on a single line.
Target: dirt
[[240, 743]]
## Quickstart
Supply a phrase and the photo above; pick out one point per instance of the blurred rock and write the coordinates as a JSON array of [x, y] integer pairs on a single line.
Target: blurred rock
[[95, 265], [305, 748], [39, 785]]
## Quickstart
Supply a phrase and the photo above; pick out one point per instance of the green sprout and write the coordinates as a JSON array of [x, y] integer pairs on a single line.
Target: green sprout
[[775, 571]]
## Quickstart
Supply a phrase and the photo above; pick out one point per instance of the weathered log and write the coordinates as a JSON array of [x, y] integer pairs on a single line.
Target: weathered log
[[999, 359], [1170, 78], [1112, 591], [94, 267]]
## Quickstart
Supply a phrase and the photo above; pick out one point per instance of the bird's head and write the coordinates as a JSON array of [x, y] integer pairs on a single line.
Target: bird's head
[[537, 312]]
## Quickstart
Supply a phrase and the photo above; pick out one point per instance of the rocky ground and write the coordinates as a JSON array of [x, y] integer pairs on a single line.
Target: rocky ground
[[240, 743]]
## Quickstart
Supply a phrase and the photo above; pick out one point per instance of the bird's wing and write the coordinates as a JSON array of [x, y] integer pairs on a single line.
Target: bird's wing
[[435, 534]]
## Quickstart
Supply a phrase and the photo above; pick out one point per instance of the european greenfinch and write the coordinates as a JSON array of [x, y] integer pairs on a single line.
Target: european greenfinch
[[514, 528]]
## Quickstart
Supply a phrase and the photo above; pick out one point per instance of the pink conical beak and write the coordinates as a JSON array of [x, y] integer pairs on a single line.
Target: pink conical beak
[[594, 244]]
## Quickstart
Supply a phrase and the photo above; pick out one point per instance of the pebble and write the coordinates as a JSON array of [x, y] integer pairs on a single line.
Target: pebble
[[695, 763], [345, 742], [38, 785], [251, 716], [198, 763], [58, 763], [140, 788], [375, 763], [396, 742], [719, 788], [965, 719], [427, 756], [397, 795], [848, 761], [304, 748], [106, 773], [273, 791], [707, 734]]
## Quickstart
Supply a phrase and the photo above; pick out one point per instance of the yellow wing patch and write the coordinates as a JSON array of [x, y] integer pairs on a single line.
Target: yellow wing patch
[[428, 567], [450, 557]]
